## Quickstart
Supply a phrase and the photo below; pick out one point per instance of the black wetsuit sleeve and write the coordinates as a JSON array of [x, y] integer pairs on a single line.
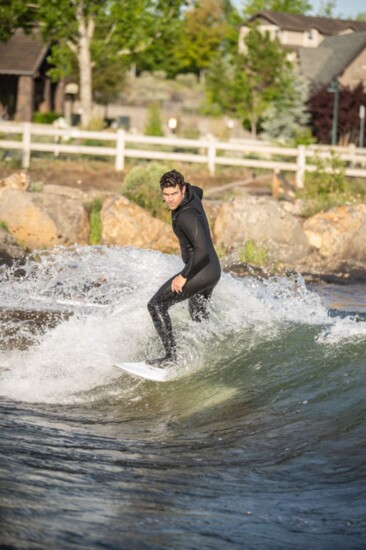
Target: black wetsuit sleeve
[[193, 226]]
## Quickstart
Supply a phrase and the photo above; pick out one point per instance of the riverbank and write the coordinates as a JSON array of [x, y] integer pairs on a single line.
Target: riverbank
[[254, 234]]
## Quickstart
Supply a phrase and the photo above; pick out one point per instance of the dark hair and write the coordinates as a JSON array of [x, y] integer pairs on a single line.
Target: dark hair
[[171, 179]]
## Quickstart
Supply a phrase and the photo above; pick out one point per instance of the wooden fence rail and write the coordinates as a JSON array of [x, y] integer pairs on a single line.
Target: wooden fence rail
[[207, 151]]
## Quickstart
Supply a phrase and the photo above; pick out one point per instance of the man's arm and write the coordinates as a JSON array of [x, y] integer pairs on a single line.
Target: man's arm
[[192, 225]]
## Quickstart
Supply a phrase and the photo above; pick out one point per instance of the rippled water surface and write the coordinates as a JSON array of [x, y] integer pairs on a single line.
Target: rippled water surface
[[258, 441]]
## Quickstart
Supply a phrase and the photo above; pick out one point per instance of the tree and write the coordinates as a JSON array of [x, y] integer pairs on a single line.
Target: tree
[[204, 29], [287, 118], [321, 110], [259, 77], [91, 30], [288, 6], [326, 8]]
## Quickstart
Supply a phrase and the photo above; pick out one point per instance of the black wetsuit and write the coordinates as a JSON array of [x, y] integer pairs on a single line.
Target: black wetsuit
[[202, 269]]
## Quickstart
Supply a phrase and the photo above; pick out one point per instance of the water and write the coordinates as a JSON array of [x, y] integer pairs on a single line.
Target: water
[[259, 442]]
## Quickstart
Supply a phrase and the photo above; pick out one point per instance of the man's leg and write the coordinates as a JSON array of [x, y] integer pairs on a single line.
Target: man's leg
[[197, 305], [158, 308]]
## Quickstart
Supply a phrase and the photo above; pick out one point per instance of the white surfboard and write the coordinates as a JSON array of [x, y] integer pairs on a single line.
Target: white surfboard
[[143, 370]]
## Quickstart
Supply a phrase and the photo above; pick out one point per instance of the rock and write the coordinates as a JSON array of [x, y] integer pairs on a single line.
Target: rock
[[127, 224], [19, 180], [43, 220], [264, 221], [338, 233], [71, 192], [9, 248]]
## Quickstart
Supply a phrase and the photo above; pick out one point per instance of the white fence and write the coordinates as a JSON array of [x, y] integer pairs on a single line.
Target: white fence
[[121, 145]]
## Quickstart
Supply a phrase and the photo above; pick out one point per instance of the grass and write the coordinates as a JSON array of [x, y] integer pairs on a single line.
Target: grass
[[95, 233], [254, 254]]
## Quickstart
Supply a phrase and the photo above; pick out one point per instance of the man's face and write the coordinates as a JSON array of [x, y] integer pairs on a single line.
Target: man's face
[[173, 196]]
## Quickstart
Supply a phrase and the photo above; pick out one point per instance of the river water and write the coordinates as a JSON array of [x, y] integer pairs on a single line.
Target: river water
[[259, 441]]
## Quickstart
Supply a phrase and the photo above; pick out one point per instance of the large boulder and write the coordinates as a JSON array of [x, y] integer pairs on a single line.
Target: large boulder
[[127, 224], [339, 233], [19, 180], [263, 221], [338, 239], [43, 220]]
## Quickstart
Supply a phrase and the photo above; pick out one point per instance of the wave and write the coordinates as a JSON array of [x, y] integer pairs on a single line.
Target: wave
[[68, 315]]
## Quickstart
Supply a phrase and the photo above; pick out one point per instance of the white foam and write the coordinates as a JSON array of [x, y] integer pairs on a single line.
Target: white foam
[[75, 358]]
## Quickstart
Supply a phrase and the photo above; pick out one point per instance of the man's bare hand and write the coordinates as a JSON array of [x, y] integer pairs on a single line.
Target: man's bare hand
[[178, 283]]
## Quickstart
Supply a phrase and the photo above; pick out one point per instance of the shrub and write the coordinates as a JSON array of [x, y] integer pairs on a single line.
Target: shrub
[[45, 118], [325, 187], [328, 177], [4, 225], [141, 185], [154, 125]]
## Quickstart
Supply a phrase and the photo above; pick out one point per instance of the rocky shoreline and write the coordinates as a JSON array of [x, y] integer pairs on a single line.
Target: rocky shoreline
[[328, 247]]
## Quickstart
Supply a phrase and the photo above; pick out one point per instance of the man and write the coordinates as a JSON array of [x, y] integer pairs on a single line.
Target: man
[[201, 271]]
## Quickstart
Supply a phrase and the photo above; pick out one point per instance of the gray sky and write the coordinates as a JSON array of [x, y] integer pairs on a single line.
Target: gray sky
[[346, 8]]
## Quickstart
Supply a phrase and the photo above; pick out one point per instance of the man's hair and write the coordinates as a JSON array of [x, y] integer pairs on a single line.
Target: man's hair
[[171, 179]]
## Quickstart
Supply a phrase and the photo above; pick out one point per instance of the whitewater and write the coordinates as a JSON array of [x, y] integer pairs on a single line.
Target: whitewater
[[258, 441]]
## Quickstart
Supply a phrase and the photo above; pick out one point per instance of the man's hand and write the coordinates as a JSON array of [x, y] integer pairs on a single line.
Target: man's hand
[[178, 283]]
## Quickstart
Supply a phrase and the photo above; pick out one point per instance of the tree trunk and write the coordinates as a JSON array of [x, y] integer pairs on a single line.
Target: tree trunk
[[86, 31]]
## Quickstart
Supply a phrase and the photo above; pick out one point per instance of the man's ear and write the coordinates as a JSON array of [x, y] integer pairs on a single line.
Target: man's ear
[[184, 189]]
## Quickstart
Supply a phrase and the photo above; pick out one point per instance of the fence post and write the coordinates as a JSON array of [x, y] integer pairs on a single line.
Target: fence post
[[120, 150], [26, 146], [211, 155], [301, 165]]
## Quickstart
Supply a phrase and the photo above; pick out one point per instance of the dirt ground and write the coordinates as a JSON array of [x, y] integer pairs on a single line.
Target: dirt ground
[[90, 175]]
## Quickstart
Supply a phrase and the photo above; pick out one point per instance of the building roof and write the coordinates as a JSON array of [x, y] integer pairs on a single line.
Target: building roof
[[23, 54], [324, 25], [329, 60]]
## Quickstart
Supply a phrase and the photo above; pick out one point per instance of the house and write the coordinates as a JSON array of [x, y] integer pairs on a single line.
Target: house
[[295, 31], [24, 84], [337, 57]]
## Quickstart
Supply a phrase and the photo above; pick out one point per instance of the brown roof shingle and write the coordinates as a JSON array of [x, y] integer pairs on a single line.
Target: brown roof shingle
[[22, 54], [325, 25]]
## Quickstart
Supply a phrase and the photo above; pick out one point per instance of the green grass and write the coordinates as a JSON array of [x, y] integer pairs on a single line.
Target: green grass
[[253, 253], [95, 233]]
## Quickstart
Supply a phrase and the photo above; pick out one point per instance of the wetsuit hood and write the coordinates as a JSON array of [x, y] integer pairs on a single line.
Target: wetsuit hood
[[192, 192]]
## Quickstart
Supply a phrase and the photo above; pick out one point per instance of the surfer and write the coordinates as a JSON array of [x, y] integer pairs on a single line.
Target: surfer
[[201, 271]]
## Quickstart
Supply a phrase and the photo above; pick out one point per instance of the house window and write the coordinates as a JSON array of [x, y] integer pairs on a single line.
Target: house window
[[310, 34]]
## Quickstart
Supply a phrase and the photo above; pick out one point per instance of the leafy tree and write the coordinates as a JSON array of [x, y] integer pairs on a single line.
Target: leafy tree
[[92, 30], [287, 118], [326, 8], [14, 14], [361, 16], [204, 30], [260, 75], [288, 6], [321, 111]]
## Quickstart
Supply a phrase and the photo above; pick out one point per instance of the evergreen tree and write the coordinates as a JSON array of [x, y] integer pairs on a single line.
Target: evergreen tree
[[287, 118]]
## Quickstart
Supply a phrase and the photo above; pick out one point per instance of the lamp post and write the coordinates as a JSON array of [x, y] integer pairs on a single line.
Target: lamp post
[[334, 88]]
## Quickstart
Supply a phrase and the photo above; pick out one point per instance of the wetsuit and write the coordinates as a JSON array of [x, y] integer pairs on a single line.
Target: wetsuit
[[201, 269]]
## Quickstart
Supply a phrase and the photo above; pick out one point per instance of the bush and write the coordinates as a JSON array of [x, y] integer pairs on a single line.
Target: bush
[[45, 118], [154, 125], [326, 187], [141, 185], [328, 178]]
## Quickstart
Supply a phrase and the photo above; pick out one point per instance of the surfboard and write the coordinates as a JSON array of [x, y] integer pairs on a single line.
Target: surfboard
[[143, 370]]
